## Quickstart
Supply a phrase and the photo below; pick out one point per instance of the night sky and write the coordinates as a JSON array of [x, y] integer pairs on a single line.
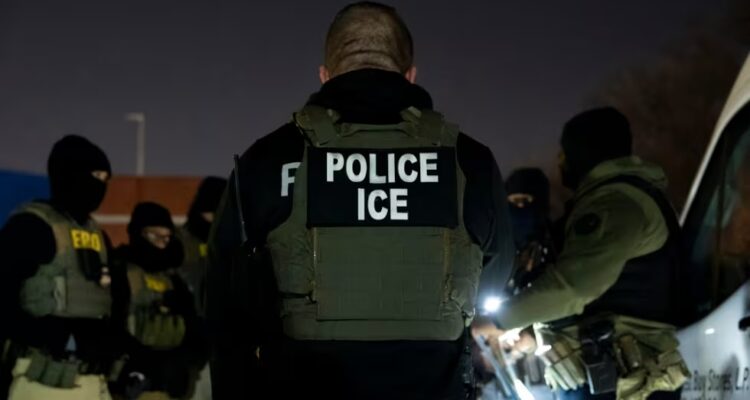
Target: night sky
[[214, 76]]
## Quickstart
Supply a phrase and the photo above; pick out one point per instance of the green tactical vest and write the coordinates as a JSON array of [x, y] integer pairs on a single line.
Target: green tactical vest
[[60, 287], [374, 282], [149, 321]]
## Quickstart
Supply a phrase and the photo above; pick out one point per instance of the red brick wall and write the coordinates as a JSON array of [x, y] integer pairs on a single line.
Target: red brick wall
[[124, 192]]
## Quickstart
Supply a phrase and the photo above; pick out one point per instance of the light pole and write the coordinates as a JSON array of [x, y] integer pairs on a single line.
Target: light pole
[[140, 140]]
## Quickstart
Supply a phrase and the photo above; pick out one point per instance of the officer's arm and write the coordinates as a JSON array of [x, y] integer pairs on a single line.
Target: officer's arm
[[603, 234], [26, 242], [486, 213], [498, 246]]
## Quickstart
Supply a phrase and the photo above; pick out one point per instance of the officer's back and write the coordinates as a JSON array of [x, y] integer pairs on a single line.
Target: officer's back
[[377, 217]]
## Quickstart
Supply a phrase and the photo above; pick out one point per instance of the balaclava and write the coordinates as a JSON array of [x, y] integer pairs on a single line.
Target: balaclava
[[142, 252], [530, 222], [206, 200], [591, 138], [73, 187]]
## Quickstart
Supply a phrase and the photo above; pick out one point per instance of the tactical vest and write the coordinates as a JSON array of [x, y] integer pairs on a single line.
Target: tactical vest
[[397, 280], [149, 321], [648, 285], [60, 287]]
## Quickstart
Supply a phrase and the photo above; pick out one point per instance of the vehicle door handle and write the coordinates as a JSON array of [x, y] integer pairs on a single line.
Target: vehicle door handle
[[744, 323]]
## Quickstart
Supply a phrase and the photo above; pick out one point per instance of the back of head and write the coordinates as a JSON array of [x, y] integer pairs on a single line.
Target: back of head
[[209, 194], [206, 201], [592, 137], [70, 165], [368, 35]]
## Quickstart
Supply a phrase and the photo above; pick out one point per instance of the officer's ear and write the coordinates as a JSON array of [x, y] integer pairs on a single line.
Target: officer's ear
[[411, 74], [323, 74]]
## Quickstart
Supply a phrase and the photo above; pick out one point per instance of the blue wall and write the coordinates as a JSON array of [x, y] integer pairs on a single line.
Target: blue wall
[[17, 188]]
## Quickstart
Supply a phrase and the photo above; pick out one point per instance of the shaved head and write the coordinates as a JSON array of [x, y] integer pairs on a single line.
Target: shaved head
[[368, 35]]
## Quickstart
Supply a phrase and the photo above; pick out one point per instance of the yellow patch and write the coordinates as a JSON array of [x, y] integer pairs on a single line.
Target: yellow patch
[[85, 240], [155, 284], [203, 250]]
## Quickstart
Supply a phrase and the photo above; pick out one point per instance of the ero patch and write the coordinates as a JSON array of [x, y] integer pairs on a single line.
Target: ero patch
[[382, 187], [587, 224]]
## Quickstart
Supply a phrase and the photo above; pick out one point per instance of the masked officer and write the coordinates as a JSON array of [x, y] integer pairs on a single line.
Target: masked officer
[[194, 237], [60, 341], [529, 198], [377, 217], [161, 315], [609, 305]]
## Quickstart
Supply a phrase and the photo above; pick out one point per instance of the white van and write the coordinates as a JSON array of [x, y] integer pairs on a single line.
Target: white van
[[716, 224]]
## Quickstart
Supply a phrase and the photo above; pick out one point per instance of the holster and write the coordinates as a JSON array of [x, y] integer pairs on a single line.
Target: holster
[[631, 357], [597, 356]]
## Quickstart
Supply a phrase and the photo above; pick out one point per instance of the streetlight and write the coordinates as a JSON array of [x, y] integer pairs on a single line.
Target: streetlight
[[140, 140]]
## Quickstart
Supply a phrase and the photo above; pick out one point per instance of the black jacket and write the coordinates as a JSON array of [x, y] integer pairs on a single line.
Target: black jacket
[[336, 369]]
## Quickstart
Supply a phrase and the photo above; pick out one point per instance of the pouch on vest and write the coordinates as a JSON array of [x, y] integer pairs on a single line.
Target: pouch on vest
[[50, 372], [596, 354], [41, 295], [646, 356], [564, 367]]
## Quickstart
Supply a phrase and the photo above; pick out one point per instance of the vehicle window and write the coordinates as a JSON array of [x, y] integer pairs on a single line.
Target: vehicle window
[[718, 227]]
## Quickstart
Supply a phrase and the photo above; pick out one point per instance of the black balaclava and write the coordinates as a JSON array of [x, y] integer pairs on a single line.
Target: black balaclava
[[206, 200], [591, 138], [142, 252], [72, 186], [530, 222]]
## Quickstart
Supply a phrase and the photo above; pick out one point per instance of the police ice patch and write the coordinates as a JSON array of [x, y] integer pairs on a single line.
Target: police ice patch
[[382, 187], [587, 224]]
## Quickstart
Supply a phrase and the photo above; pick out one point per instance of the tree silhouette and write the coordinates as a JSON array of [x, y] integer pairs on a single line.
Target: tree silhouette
[[673, 105]]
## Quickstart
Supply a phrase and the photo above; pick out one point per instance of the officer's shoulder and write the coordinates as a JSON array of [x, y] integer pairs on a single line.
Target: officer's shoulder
[[27, 222], [613, 200], [287, 139], [474, 158]]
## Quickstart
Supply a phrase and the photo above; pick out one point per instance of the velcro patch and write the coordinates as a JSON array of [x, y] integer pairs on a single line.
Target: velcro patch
[[85, 240], [382, 187], [587, 224]]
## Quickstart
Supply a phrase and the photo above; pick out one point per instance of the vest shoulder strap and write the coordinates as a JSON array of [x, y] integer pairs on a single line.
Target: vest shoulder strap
[[317, 123], [433, 127], [656, 194]]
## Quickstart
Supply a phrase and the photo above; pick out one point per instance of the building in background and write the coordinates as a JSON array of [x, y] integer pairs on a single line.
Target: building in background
[[124, 192]]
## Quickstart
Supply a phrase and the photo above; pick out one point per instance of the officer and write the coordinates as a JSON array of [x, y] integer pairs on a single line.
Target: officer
[[529, 199], [376, 216], [56, 288], [194, 237], [609, 304], [161, 315]]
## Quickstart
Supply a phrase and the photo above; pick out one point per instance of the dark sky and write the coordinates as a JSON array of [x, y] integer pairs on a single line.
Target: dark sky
[[214, 76]]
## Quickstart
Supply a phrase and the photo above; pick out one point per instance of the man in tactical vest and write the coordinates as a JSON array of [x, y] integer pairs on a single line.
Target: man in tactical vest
[[194, 238], [59, 339], [376, 218], [161, 314], [607, 310]]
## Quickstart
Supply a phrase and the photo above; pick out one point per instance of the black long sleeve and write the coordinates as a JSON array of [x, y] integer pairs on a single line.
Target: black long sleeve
[[26, 242]]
